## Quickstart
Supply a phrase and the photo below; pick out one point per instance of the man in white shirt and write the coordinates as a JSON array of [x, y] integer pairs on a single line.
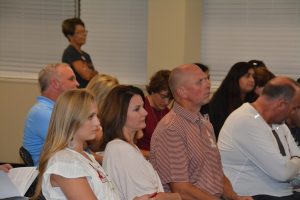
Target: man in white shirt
[[258, 152]]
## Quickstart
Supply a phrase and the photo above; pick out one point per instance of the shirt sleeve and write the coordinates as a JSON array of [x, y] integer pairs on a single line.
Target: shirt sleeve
[[130, 171], [67, 167], [171, 156], [257, 144]]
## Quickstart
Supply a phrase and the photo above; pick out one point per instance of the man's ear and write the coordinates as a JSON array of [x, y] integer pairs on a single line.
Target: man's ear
[[181, 92], [55, 83], [282, 104]]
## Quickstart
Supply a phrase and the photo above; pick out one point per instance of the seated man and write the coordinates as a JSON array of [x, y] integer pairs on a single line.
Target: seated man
[[183, 148], [259, 154], [293, 123], [53, 79]]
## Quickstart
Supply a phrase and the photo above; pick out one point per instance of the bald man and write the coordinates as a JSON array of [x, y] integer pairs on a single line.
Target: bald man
[[183, 148], [259, 154]]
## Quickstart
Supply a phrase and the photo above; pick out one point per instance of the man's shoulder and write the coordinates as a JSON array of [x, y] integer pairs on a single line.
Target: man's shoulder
[[169, 125], [168, 121], [244, 112], [41, 107]]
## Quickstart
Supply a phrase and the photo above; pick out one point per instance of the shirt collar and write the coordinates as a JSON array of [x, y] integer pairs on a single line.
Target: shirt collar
[[46, 101], [190, 116]]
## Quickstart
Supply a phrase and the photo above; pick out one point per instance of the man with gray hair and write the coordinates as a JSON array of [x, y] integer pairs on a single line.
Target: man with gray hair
[[53, 79], [258, 152]]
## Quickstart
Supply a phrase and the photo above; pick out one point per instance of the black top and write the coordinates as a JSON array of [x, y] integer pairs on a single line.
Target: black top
[[70, 55], [296, 134]]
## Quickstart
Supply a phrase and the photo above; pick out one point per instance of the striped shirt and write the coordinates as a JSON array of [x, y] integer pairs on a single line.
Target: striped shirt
[[183, 149]]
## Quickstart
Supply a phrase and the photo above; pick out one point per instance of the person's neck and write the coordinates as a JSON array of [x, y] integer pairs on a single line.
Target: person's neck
[[263, 111], [129, 135], [50, 95], [243, 96], [189, 106], [151, 102], [77, 146], [76, 46]]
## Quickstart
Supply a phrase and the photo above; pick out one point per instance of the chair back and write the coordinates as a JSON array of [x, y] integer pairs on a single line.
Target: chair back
[[26, 157]]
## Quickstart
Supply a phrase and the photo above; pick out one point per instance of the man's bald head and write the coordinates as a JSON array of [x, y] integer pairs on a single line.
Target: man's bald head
[[180, 75], [280, 87]]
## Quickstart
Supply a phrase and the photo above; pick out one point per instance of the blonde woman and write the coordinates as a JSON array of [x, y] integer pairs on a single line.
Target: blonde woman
[[66, 170], [100, 86]]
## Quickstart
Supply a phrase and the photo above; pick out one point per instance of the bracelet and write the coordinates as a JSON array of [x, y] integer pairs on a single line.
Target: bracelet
[[295, 157]]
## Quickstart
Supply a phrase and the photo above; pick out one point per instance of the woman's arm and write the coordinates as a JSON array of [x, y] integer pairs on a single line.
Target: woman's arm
[[73, 188], [5, 167], [83, 70]]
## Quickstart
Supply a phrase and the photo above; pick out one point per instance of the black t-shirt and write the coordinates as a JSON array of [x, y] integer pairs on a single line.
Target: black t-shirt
[[70, 55]]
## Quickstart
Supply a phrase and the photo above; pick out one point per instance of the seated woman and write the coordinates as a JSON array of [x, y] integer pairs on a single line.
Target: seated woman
[[235, 89], [156, 104], [122, 116], [66, 171], [100, 86]]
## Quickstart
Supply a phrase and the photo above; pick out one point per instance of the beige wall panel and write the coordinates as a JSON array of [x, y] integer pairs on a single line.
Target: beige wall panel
[[16, 99]]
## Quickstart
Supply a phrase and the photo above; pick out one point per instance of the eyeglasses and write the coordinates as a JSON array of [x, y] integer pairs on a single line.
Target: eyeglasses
[[81, 32], [164, 96]]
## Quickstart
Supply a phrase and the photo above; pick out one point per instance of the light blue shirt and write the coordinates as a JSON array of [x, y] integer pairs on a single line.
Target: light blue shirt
[[36, 127]]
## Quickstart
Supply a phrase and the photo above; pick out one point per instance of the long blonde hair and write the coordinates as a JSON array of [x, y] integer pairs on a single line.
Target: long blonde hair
[[70, 112], [100, 86]]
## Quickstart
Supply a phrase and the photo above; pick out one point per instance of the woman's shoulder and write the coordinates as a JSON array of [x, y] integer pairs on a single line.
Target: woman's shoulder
[[63, 155], [119, 147]]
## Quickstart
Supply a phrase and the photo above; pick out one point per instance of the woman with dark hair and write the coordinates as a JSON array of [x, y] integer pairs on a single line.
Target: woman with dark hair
[[156, 104], [122, 116], [80, 61], [235, 89], [257, 64]]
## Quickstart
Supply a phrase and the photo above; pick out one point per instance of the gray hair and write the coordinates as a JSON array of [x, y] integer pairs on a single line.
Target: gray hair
[[47, 73], [277, 88]]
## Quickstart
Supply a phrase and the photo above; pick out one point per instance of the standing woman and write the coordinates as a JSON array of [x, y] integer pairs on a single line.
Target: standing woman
[[235, 89], [156, 104], [80, 61], [66, 171], [122, 116]]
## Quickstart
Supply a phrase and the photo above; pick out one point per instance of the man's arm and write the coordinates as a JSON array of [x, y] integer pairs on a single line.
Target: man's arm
[[188, 191]]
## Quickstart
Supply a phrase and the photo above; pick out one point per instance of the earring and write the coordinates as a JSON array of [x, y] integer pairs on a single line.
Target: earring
[[71, 144]]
